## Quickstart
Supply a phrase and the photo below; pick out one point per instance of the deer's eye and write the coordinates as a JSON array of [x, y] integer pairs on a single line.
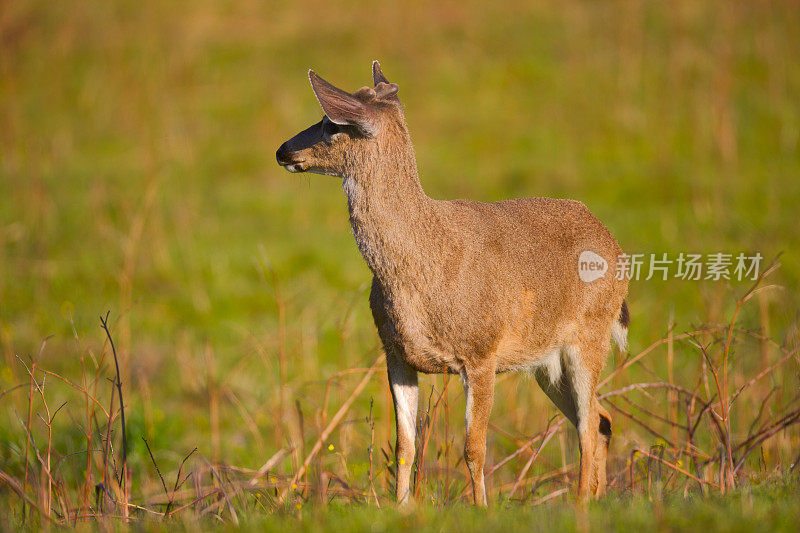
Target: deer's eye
[[330, 128], [334, 132]]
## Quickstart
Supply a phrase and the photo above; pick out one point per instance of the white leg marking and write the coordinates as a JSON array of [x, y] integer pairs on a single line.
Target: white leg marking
[[406, 407], [403, 380], [468, 400], [581, 385]]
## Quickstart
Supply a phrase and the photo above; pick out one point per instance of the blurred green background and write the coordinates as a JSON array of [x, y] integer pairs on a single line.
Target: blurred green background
[[137, 175]]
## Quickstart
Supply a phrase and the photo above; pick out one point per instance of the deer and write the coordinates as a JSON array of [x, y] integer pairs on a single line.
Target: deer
[[468, 288]]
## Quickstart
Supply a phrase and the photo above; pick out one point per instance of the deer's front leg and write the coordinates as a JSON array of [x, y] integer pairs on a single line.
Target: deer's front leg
[[479, 394], [405, 393]]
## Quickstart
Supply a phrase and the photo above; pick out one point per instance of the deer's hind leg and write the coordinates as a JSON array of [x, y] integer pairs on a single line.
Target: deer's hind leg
[[584, 363], [572, 388]]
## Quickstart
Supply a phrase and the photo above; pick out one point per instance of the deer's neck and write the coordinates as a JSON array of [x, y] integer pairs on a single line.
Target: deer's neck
[[393, 220]]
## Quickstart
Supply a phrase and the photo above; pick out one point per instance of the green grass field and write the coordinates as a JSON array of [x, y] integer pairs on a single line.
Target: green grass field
[[137, 176]]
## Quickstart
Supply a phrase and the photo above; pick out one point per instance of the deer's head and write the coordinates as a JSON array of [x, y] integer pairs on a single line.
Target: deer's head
[[352, 131]]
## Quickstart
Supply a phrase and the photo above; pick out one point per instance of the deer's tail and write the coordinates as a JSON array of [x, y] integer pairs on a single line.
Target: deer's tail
[[619, 332]]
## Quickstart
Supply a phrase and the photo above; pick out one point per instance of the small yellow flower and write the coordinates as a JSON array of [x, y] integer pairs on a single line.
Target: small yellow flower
[[330, 447], [294, 486], [299, 506], [402, 461]]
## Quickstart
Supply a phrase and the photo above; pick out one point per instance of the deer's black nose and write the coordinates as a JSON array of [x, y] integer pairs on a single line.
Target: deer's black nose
[[282, 155]]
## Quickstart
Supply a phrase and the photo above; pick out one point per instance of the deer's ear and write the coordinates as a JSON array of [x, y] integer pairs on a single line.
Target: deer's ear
[[377, 74], [340, 106], [384, 90]]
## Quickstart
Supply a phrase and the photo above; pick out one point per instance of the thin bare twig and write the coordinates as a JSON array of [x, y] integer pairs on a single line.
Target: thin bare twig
[[118, 383]]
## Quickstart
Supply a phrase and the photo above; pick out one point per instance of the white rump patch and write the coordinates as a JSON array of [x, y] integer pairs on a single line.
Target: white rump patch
[[549, 364]]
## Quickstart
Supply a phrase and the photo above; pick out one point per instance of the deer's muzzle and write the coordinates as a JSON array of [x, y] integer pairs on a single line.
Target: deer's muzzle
[[289, 159]]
